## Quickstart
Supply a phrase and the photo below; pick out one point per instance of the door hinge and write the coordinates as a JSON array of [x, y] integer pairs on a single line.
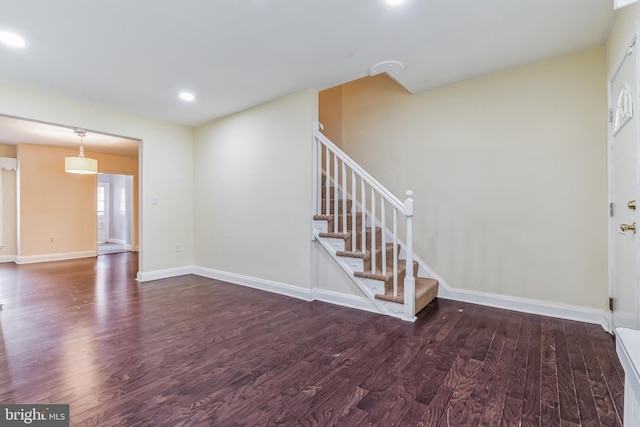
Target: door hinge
[[610, 304], [611, 209], [610, 115]]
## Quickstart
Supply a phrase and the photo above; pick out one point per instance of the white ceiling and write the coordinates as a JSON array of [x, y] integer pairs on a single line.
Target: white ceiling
[[16, 131], [137, 55]]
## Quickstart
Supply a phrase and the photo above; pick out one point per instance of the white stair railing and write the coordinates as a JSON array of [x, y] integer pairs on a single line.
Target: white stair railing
[[332, 164]]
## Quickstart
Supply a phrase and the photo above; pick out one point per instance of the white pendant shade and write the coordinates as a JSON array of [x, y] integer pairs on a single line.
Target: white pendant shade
[[81, 165]]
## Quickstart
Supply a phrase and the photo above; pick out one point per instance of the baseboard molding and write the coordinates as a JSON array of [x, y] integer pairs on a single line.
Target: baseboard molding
[[7, 258], [117, 241], [146, 276], [344, 300], [54, 257], [526, 305], [254, 282]]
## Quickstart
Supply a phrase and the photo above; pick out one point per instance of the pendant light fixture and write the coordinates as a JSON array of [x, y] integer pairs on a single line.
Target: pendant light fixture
[[81, 164]]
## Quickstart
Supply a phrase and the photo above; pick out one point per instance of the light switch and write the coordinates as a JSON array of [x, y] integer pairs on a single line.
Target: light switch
[[154, 200]]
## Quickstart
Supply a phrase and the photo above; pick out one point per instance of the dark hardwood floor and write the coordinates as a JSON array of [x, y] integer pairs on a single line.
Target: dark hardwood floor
[[191, 351]]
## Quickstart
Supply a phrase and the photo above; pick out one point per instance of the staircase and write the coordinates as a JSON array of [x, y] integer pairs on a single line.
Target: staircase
[[356, 220]]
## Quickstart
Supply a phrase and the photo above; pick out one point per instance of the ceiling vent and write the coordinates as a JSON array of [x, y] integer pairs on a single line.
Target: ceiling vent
[[393, 68]]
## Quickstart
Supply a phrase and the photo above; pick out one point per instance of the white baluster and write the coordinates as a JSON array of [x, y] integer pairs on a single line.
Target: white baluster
[[327, 175], [395, 252], [364, 222], [409, 280], [344, 199], [373, 231], [353, 210], [383, 242], [335, 193], [315, 174], [319, 189]]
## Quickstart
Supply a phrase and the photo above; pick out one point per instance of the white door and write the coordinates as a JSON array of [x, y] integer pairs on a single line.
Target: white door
[[103, 212], [623, 193]]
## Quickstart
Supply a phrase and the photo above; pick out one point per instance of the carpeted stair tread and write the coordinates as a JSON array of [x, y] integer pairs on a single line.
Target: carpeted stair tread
[[332, 206], [367, 255], [389, 276], [322, 217], [331, 218], [426, 291]]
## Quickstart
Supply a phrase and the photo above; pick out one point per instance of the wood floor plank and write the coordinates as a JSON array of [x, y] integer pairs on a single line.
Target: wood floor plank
[[478, 399], [514, 401], [549, 404], [586, 402], [191, 351], [496, 398], [531, 399], [611, 376]]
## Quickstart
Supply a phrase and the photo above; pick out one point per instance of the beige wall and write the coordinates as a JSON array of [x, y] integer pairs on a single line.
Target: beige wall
[[508, 170], [53, 205], [330, 112], [253, 191], [166, 168]]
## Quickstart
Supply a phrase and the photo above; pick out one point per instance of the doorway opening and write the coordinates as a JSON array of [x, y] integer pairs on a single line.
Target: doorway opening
[[115, 218]]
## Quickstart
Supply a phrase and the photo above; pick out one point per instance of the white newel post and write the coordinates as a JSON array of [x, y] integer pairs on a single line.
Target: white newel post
[[316, 175], [409, 280]]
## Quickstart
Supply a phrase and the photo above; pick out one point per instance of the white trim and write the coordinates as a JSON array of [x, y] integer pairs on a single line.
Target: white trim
[[9, 163], [254, 282], [526, 305], [7, 258], [344, 300], [618, 4], [55, 257], [146, 276], [117, 241]]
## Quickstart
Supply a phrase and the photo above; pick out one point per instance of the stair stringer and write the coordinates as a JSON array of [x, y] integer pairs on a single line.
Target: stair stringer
[[368, 287]]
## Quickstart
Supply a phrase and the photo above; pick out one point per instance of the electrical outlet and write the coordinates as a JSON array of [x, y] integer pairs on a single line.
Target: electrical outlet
[[51, 239], [178, 249]]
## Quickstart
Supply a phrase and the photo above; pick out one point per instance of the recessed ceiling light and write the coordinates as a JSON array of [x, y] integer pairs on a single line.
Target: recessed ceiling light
[[394, 2], [12, 39], [187, 96]]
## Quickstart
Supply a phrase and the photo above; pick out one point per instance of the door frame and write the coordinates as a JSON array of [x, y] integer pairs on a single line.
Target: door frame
[[610, 223]]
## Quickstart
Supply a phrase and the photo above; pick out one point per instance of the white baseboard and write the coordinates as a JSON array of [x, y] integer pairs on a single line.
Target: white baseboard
[[526, 305], [344, 300], [7, 258], [254, 282], [117, 241], [146, 276], [55, 257]]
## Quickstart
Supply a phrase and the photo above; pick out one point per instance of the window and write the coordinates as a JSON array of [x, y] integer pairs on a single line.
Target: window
[[123, 202], [101, 201]]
